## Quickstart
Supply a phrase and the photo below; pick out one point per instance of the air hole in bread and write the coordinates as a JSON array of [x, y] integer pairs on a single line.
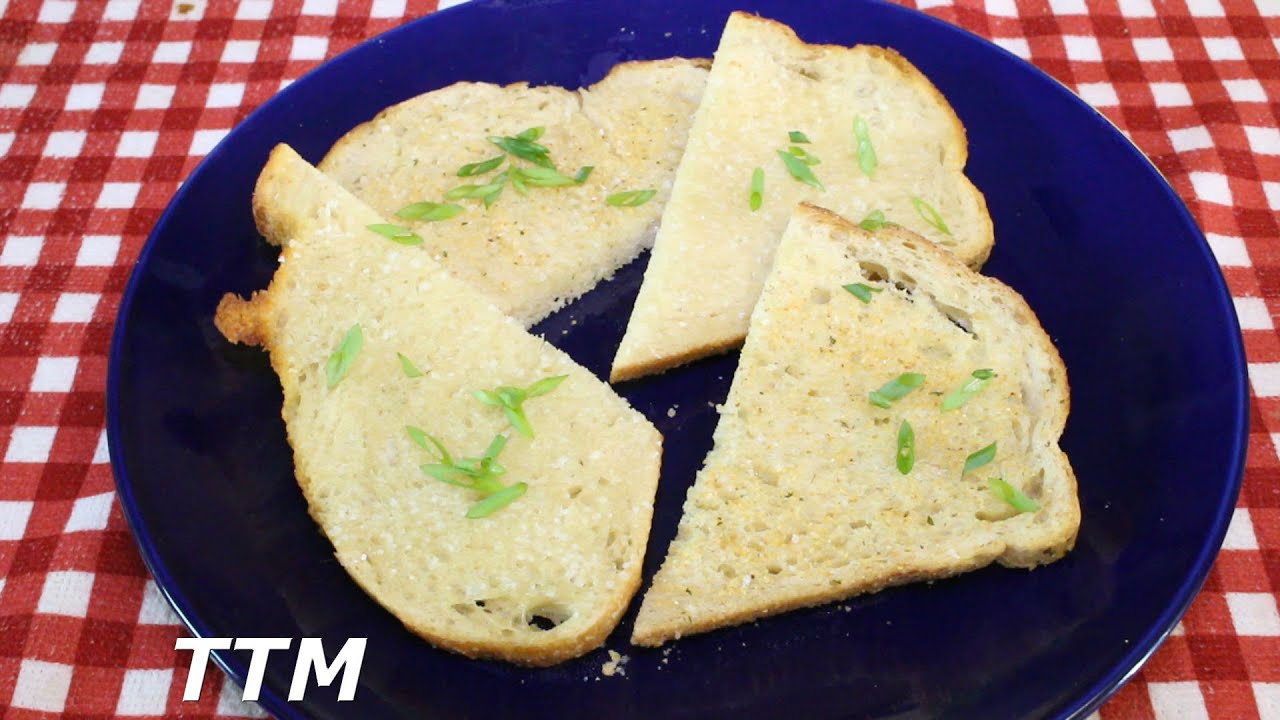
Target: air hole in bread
[[727, 570], [611, 539], [858, 525], [1035, 486], [773, 568], [820, 296], [874, 272], [575, 491], [548, 616], [463, 608], [958, 317], [758, 526], [805, 71]]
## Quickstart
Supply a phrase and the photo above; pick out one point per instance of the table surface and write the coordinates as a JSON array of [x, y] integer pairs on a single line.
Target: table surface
[[106, 106]]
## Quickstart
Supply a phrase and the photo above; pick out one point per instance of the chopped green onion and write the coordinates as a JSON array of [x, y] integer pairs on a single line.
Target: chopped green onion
[[757, 189], [874, 221], [524, 148], [584, 172], [497, 501], [804, 155], [395, 233], [866, 152], [531, 134], [447, 474], [906, 448], [896, 389], [541, 177], [631, 198], [930, 215], [961, 395], [421, 438], [862, 291], [545, 385], [511, 400], [410, 370], [517, 182], [480, 168], [340, 361], [797, 137], [1013, 496], [800, 170], [472, 192], [978, 458], [428, 211]]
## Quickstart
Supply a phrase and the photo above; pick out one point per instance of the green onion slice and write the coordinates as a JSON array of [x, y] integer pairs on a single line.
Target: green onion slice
[[480, 168], [961, 395], [497, 501], [523, 147], [800, 170], [1013, 496], [472, 192], [410, 370], [584, 172], [511, 400], [874, 221], [804, 155], [862, 291], [797, 137], [930, 215], [757, 189], [428, 211], [978, 458], [631, 198], [906, 448], [541, 177], [866, 152], [395, 233], [896, 389], [345, 354], [531, 134]]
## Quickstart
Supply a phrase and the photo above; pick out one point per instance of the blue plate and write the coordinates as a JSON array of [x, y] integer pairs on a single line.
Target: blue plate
[[1087, 231]]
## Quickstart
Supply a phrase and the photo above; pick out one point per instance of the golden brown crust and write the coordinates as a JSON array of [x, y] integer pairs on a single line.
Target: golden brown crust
[[623, 373]]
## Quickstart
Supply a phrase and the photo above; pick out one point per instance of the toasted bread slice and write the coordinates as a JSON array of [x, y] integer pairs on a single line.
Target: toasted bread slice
[[568, 552], [530, 253], [713, 251], [801, 501]]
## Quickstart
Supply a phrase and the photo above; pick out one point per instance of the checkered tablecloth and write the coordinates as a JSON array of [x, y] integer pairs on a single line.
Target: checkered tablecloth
[[106, 106]]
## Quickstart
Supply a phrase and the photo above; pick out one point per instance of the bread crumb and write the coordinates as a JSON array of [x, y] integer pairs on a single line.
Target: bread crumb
[[615, 664], [671, 411]]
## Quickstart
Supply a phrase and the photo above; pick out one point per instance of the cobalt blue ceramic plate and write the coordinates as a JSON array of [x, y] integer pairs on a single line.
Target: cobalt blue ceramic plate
[[1087, 231]]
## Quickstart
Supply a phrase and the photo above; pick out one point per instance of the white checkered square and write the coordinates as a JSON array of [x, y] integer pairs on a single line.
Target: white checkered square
[[921, 4], [1268, 8], [144, 692], [1240, 535], [75, 308], [394, 8], [1137, 8], [1170, 94], [13, 95], [98, 251], [104, 53], [1082, 48], [202, 141], [14, 515], [1211, 187], [8, 303], [85, 96], [6, 142], [57, 11], [253, 10], [1206, 8], [30, 444], [1253, 313], [43, 195], [1265, 378], [121, 10], [54, 374], [1263, 140], [1067, 7], [1192, 138], [1223, 48], [101, 453], [1254, 613], [155, 609], [1272, 192], [21, 251], [1002, 8], [154, 97], [1228, 251], [1152, 49], [1099, 94], [66, 593], [320, 7], [306, 47], [1177, 701], [1017, 46], [37, 54], [118, 195], [225, 95], [42, 686], [172, 51], [1245, 90], [1267, 695], [90, 513], [64, 143], [137, 143], [240, 51], [230, 704]]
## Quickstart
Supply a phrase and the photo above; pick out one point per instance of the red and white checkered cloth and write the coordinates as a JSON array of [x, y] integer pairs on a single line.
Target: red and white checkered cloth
[[105, 106]]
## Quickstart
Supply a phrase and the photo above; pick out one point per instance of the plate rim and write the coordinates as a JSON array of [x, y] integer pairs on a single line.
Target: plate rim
[[1094, 697]]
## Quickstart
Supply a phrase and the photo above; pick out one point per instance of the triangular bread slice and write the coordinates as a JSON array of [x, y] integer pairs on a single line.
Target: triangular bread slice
[[531, 253], [713, 251], [801, 501], [568, 552]]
